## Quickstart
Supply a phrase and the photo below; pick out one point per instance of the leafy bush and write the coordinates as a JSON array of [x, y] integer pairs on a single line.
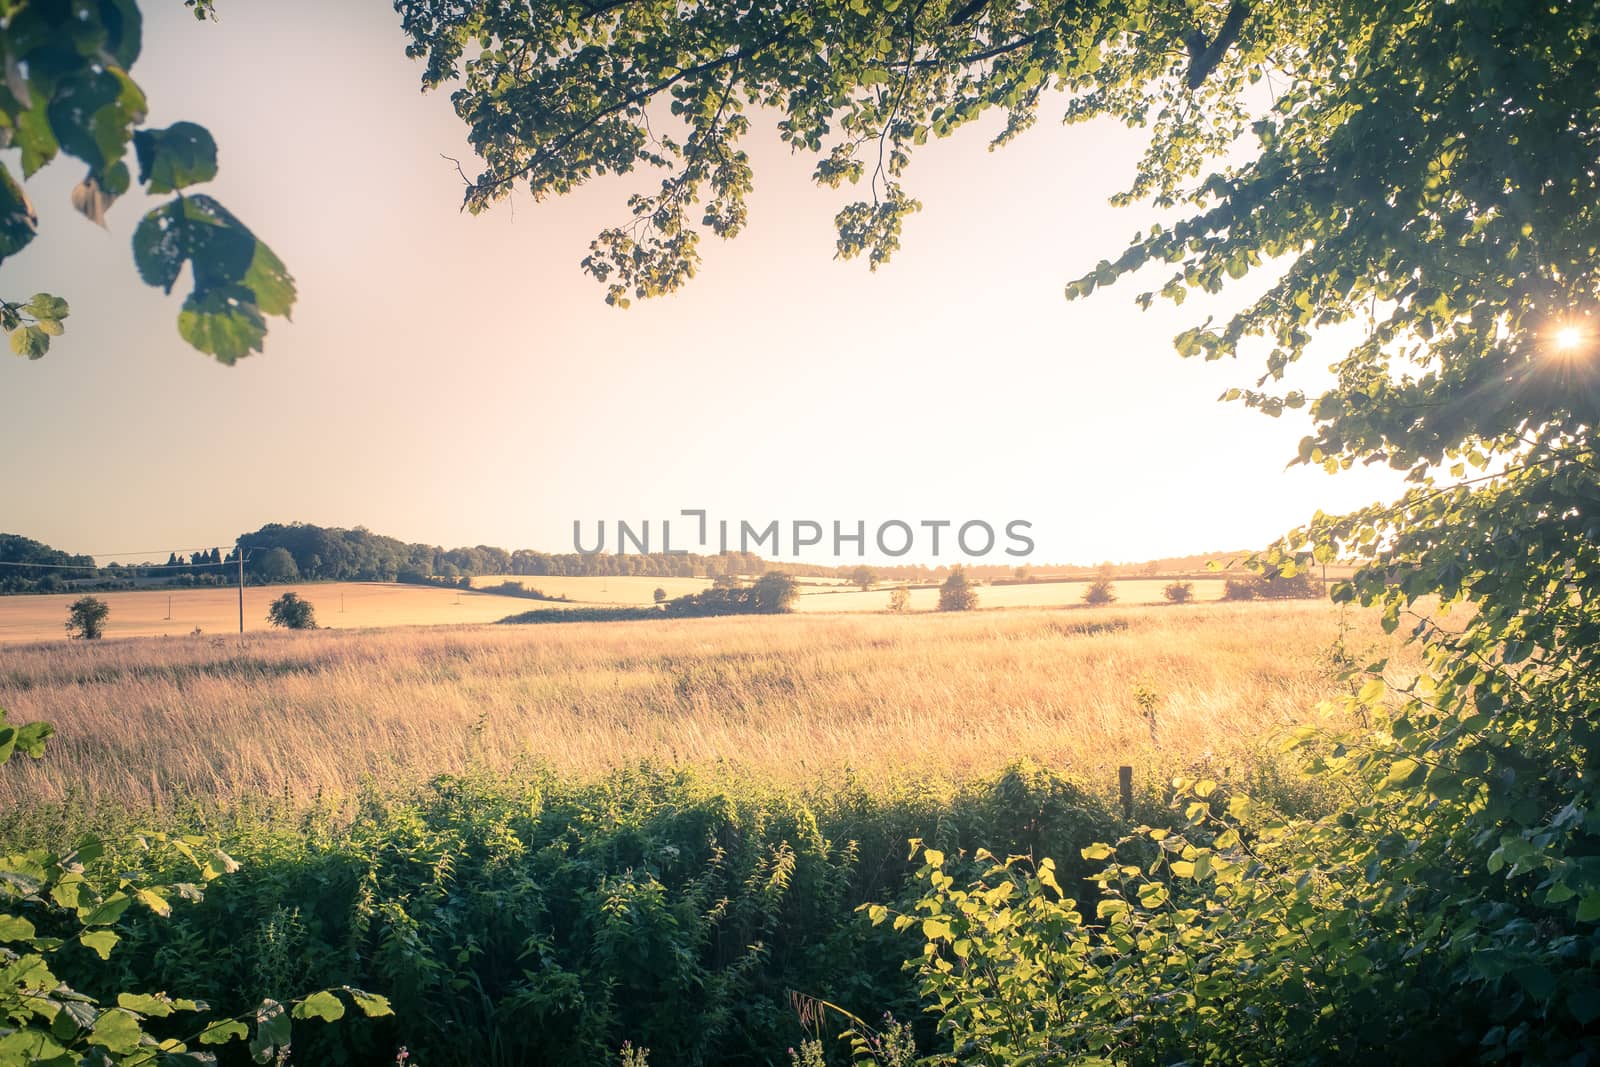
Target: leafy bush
[[1099, 592], [1300, 586], [293, 612], [86, 618], [957, 594], [60, 913], [1179, 592], [547, 921]]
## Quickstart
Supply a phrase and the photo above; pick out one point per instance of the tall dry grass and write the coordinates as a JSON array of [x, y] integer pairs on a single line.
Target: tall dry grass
[[148, 721]]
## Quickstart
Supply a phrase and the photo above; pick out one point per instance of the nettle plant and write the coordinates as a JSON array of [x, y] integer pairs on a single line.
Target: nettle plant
[[67, 91], [57, 909]]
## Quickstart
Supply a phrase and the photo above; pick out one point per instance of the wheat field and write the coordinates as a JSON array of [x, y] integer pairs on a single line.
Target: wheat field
[[154, 721]]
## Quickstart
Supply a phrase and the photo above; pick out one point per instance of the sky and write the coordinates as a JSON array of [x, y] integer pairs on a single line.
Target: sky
[[458, 380]]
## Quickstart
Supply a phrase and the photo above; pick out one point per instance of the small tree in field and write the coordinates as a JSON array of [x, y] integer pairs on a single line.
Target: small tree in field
[[292, 612], [1099, 591], [660, 594], [863, 577], [899, 599], [957, 594], [86, 618], [1179, 592]]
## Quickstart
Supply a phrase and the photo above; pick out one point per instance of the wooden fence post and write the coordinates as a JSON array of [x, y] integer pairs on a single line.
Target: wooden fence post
[[1125, 782]]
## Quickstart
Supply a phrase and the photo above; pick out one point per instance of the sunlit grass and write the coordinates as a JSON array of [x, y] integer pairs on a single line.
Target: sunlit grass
[[788, 698]]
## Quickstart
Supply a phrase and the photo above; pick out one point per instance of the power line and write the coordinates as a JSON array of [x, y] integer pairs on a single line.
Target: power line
[[121, 566]]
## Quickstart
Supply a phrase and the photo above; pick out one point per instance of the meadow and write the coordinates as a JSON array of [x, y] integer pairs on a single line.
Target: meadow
[[370, 605], [215, 610], [789, 698], [543, 842]]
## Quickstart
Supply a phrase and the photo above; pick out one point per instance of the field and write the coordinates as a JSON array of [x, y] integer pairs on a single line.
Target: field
[[788, 698], [215, 611], [542, 842], [368, 605]]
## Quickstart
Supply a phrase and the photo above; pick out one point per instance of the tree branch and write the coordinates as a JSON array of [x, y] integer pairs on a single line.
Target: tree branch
[[1204, 57]]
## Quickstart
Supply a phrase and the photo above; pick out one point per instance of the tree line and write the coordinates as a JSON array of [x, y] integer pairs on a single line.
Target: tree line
[[300, 551]]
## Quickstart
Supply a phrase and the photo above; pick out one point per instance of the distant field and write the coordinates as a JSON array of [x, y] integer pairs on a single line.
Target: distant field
[[340, 605], [790, 698], [1031, 595], [638, 591], [365, 605]]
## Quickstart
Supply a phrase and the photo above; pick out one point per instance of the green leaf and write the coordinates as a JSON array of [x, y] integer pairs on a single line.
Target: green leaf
[[320, 1005], [269, 280], [238, 279], [177, 157], [1098, 851], [1589, 908], [30, 341], [93, 114], [372, 1005], [15, 928], [117, 1031], [222, 1031], [101, 942], [223, 323], [18, 223], [272, 1030], [146, 1004], [107, 912]]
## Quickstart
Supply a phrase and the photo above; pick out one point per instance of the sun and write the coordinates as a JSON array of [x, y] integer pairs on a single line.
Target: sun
[[1568, 338]]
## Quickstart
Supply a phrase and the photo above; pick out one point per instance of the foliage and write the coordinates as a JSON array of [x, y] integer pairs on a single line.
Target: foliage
[[534, 919], [1099, 591], [274, 565], [86, 618], [56, 914], [899, 599], [68, 91], [292, 612], [864, 577], [957, 594], [1274, 586], [1178, 592], [772, 593]]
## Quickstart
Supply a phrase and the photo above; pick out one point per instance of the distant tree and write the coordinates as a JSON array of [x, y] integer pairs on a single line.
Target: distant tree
[[1179, 592], [292, 612], [1099, 591], [864, 577], [86, 618], [276, 565], [899, 599], [1023, 574], [774, 592], [957, 594], [725, 581], [660, 595]]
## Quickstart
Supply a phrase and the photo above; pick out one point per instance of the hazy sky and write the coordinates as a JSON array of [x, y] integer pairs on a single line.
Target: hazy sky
[[458, 380]]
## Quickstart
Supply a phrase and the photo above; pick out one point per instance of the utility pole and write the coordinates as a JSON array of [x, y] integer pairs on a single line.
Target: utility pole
[[241, 589], [169, 606]]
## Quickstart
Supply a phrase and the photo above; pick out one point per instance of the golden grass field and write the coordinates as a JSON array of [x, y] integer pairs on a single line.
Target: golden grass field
[[143, 613], [793, 697], [367, 605], [1031, 595]]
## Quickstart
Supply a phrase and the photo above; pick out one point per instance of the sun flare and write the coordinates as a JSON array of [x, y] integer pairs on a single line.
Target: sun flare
[[1568, 338]]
